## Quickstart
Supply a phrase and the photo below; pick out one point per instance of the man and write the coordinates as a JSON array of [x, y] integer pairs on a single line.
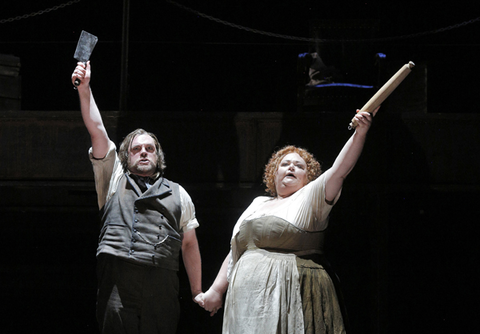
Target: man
[[146, 219]]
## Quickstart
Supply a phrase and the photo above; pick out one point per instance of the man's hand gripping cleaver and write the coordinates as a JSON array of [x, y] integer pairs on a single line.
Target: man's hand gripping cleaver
[[85, 46]]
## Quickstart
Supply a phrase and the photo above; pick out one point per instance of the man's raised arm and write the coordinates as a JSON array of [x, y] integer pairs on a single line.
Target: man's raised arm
[[90, 113]]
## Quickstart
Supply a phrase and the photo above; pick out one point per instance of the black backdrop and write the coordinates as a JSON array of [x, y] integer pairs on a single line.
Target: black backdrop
[[403, 236]]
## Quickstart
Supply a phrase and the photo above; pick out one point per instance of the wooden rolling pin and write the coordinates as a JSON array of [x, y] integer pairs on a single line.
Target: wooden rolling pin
[[385, 91]]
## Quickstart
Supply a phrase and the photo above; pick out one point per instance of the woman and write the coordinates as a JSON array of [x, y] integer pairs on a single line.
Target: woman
[[274, 286]]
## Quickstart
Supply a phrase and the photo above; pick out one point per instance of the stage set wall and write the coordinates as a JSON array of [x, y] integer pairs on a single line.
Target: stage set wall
[[402, 238]]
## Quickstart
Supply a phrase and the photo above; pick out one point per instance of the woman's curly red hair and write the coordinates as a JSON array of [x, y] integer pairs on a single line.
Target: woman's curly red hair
[[313, 166]]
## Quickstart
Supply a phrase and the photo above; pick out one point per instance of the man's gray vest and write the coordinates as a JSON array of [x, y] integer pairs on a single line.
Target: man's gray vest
[[143, 228]]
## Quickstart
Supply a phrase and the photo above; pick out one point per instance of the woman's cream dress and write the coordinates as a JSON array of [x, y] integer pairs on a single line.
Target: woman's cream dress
[[271, 288]]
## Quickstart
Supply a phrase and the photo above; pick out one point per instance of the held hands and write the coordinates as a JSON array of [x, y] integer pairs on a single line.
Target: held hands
[[82, 72], [198, 299], [211, 301]]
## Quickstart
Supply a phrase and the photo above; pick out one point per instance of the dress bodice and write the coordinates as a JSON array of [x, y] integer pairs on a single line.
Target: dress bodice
[[276, 234]]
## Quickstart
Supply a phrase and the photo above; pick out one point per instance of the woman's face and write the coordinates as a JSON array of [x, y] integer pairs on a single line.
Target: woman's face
[[291, 175]]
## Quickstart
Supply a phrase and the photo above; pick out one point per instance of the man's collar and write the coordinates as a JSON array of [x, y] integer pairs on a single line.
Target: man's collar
[[148, 179]]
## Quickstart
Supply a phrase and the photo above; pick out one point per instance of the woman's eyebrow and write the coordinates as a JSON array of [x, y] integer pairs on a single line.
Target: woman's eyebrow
[[297, 161]]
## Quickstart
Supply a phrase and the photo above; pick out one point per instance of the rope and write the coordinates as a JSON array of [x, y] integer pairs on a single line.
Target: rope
[[40, 12], [261, 32], [305, 39]]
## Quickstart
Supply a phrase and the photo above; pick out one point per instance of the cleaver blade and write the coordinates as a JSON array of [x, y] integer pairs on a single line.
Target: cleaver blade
[[84, 49]]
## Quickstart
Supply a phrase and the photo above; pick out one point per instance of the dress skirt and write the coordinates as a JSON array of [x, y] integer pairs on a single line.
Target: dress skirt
[[279, 293]]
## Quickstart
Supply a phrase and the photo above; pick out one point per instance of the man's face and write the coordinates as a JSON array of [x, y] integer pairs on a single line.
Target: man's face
[[142, 156]]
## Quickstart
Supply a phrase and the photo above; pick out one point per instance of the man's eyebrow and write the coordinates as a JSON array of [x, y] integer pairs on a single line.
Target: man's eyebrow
[[153, 145]]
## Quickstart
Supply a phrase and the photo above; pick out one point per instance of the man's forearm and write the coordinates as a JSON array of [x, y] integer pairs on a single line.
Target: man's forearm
[[192, 262]]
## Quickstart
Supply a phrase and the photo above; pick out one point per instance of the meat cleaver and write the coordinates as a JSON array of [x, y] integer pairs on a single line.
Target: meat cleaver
[[85, 46]]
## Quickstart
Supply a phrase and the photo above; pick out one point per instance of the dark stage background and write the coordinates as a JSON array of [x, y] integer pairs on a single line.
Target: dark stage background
[[222, 97]]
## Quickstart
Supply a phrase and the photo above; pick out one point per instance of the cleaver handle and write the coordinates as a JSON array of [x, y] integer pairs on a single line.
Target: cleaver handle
[[77, 81]]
